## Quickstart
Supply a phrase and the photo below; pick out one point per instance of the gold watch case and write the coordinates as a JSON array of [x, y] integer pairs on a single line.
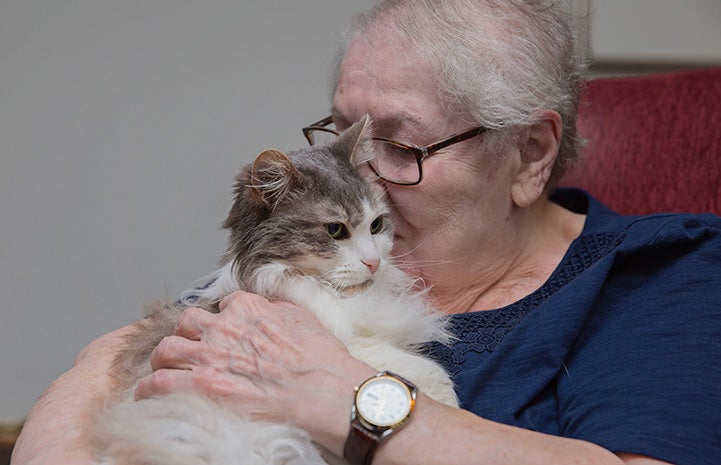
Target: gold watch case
[[385, 401]]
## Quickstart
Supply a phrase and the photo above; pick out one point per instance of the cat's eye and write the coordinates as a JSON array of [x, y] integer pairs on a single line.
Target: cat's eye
[[337, 231], [377, 225]]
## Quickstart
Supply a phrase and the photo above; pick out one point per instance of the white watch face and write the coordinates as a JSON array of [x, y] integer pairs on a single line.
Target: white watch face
[[384, 402]]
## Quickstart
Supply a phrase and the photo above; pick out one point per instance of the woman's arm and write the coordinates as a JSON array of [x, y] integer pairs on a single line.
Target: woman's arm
[[56, 427], [439, 434], [276, 362]]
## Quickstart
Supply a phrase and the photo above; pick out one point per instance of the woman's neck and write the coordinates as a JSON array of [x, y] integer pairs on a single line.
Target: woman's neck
[[549, 231]]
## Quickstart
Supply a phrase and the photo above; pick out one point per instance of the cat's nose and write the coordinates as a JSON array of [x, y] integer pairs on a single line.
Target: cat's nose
[[372, 263]]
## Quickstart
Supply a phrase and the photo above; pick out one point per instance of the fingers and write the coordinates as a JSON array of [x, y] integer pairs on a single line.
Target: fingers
[[193, 323], [217, 373], [253, 308], [164, 382], [245, 300], [177, 352]]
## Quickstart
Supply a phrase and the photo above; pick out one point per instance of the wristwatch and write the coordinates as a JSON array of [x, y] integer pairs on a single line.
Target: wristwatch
[[383, 404]]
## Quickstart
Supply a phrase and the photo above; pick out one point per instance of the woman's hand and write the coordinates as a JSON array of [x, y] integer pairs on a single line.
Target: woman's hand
[[271, 360]]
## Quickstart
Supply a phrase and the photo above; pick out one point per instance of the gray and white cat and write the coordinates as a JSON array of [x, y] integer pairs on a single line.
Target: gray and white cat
[[304, 227]]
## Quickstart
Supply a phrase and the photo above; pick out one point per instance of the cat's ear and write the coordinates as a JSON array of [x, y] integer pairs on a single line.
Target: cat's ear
[[272, 176], [355, 143]]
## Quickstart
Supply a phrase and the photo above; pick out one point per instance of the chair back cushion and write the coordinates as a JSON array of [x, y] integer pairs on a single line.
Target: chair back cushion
[[653, 142]]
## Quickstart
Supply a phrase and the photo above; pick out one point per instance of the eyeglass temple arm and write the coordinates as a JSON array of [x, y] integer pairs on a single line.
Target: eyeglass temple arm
[[456, 138], [324, 122]]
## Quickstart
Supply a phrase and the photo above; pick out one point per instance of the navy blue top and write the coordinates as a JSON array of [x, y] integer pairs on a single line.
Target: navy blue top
[[620, 347]]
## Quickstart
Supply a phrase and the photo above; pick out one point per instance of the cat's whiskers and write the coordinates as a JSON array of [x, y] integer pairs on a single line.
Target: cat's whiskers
[[418, 246], [423, 267], [422, 264], [343, 280], [397, 260]]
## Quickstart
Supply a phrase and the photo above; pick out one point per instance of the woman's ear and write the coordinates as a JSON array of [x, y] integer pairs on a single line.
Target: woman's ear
[[538, 147]]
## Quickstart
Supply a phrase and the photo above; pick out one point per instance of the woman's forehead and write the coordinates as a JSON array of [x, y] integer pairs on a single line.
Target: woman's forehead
[[384, 82]]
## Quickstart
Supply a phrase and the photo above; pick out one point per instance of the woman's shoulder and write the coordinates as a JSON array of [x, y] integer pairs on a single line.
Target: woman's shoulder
[[650, 229]]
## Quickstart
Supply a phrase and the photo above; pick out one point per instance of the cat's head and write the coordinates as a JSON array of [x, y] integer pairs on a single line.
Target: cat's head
[[311, 212]]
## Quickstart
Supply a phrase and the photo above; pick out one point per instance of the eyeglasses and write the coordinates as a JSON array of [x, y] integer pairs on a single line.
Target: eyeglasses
[[393, 161]]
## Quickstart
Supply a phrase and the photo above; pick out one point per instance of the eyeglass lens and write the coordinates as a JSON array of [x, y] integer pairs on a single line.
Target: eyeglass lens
[[390, 161], [395, 163], [320, 136]]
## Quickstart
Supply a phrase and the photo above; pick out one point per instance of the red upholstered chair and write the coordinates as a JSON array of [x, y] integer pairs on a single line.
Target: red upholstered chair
[[653, 142]]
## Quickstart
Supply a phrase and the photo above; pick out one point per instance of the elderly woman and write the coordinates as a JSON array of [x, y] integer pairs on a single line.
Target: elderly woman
[[583, 336]]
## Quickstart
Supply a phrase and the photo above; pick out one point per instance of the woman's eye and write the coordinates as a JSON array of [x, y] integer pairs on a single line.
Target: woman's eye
[[337, 230], [377, 225]]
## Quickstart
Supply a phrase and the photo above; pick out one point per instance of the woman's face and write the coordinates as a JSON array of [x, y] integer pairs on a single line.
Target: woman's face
[[457, 217]]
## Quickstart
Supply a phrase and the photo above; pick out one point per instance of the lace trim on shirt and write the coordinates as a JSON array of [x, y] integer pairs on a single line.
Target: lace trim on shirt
[[483, 331]]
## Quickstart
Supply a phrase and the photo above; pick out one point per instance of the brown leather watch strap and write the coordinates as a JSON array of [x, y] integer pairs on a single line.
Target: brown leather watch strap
[[360, 446]]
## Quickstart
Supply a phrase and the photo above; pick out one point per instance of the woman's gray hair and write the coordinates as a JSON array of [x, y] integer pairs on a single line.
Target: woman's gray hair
[[497, 63]]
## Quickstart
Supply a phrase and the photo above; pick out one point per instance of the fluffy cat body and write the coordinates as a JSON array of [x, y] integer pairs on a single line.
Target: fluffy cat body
[[340, 271]]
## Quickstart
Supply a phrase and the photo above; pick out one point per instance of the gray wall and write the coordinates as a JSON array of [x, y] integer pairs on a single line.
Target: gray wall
[[660, 32], [122, 125]]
